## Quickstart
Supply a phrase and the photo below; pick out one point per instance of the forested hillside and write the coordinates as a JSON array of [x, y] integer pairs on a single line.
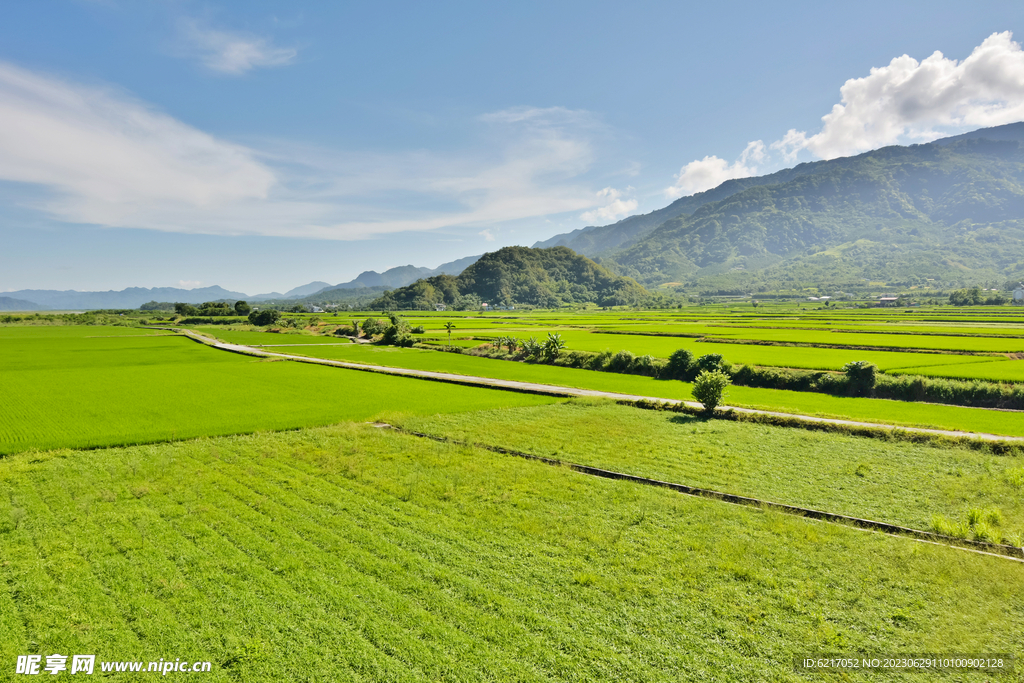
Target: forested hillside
[[520, 275], [949, 212]]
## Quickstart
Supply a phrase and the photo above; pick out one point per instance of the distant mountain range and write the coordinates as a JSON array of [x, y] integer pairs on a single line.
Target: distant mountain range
[[133, 297], [9, 304], [395, 277], [949, 211]]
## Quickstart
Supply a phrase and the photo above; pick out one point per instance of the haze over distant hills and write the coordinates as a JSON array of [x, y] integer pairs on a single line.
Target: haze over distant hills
[[133, 297], [951, 210]]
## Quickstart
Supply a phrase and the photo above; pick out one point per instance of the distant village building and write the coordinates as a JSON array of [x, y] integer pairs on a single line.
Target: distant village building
[[813, 298], [440, 307], [485, 306], [887, 300], [317, 309], [1018, 295]]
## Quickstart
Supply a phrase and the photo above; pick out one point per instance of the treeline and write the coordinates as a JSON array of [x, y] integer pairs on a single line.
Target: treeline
[[208, 309], [975, 297], [859, 378]]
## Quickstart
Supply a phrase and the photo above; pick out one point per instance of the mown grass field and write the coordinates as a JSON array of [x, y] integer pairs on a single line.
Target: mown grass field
[[899, 483], [804, 403], [63, 388], [348, 553]]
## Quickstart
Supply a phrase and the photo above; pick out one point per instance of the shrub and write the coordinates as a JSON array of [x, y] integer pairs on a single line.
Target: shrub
[[709, 362], [647, 365], [678, 364], [419, 329], [264, 317], [574, 359], [709, 388], [620, 362], [600, 361], [861, 376], [373, 326]]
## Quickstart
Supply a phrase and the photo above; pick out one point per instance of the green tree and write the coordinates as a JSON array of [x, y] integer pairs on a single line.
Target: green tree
[[265, 317], [678, 364], [861, 376], [242, 308], [449, 326], [709, 389]]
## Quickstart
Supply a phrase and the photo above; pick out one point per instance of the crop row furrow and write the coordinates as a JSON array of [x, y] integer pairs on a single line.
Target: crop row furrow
[[292, 578], [250, 593], [69, 607], [422, 608], [136, 558], [469, 588]]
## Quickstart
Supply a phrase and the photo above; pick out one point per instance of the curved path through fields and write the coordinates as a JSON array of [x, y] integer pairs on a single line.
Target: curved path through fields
[[553, 390]]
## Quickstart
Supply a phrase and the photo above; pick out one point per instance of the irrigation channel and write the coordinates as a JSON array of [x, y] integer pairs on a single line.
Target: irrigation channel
[[982, 547]]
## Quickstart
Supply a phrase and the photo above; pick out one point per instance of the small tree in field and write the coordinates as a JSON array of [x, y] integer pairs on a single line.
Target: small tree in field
[[709, 388]]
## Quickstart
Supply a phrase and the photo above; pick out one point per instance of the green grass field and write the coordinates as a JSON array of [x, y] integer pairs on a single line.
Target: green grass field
[[352, 554], [66, 389], [894, 482], [804, 403], [744, 354]]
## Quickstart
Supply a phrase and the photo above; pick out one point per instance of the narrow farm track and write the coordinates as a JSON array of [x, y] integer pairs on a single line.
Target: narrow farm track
[[572, 392]]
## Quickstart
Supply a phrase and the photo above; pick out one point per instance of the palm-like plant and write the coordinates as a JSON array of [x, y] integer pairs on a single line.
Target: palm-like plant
[[532, 347], [449, 326], [553, 345], [512, 343]]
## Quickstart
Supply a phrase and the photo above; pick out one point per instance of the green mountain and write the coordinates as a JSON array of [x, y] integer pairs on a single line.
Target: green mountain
[[950, 212], [595, 240], [520, 275]]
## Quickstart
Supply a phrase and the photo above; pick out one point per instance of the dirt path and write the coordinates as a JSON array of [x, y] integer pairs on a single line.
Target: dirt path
[[552, 390]]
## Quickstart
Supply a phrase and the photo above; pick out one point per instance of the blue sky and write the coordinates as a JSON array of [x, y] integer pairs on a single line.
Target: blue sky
[[264, 145]]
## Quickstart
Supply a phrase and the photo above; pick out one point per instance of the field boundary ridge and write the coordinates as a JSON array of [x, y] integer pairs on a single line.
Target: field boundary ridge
[[994, 549]]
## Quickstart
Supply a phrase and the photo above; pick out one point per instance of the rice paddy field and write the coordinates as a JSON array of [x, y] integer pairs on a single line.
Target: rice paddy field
[[348, 553], [160, 498], [804, 403], [78, 387], [900, 483]]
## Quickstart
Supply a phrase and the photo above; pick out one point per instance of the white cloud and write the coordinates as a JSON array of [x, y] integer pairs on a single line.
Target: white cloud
[[614, 209], [912, 101], [906, 101], [712, 171], [189, 284], [108, 156], [231, 53], [487, 235], [104, 158]]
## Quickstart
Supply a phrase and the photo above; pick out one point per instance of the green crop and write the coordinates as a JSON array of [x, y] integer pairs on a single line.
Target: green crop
[[76, 391], [352, 554]]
